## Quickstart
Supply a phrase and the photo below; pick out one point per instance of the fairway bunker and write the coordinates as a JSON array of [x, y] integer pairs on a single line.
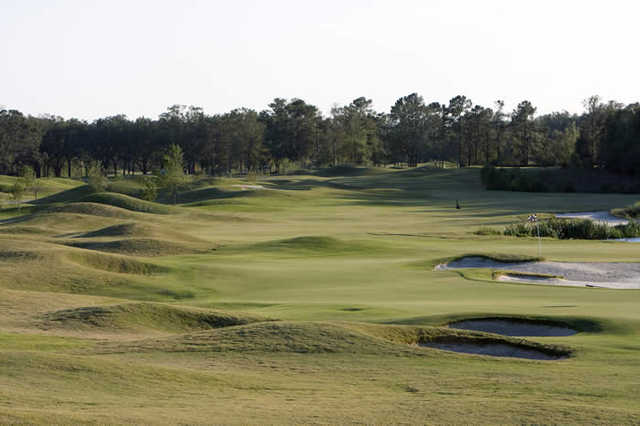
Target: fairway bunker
[[614, 275], [497, 349], [514, 327]]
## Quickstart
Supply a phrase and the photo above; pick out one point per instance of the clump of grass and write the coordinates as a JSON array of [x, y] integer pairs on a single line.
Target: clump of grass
[[629, 212], [582, 229], [485, 230]]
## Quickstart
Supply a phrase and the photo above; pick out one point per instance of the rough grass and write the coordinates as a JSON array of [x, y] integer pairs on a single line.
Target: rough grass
[[318, 245], [143, 317], [25, 230], [136, 247], [329, 360], [89, 208], [294, 337], [131, 229], [118, 264], [127, 202], [347, 170]]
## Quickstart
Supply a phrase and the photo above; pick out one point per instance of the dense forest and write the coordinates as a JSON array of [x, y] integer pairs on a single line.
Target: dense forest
[[293, 133]]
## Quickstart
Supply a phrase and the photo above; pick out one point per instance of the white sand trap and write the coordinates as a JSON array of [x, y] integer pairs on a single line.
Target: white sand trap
[[246, 187], [513, 327], [627, 240], [493, 349], [602, 217], [616, 275]]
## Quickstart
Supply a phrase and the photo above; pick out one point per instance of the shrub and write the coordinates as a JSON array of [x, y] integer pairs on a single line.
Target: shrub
[[582, 229], [632, 211], [96, 179], [150, 188], [485, 230]]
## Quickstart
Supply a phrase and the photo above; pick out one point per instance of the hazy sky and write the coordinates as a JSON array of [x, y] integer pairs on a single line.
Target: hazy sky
[[89, 58]]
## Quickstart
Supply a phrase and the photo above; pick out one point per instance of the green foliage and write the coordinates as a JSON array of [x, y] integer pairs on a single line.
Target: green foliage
[[150, 188], [485, 230], [631, 212], [17, 192], [252, 177], [582, 229], [172, 176], [556, 180], [96, 179]]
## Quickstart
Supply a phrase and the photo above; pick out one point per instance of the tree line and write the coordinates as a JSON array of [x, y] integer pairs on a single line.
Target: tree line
[[294, 133]]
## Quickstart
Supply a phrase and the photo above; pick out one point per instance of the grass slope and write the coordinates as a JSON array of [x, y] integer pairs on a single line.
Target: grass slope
[[142, 318], [126, 202], [344, 259]]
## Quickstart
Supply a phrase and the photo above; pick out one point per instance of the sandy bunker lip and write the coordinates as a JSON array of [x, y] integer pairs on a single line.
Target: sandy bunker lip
[[514, 327], [492, 348], [615, 275]]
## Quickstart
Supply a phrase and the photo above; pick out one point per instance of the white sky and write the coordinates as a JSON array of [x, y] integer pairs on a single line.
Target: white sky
[[88, 58]]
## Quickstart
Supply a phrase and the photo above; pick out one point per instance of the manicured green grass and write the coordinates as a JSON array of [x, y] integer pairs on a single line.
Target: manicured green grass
[[93, 329]]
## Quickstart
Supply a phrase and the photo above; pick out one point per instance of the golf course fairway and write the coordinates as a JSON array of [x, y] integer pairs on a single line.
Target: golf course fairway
[[307, 298]]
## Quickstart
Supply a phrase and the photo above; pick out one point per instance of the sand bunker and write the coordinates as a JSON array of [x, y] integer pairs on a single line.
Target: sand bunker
[[602, 217], [513, 327], [616, 275], [248, 187], [493, 349]]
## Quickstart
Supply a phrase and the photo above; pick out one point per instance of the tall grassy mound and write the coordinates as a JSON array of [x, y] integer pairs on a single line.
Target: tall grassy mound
[[65, 196], [207, 193], [16, 255], [126, 202], [136, 247], [118, 264], [320, 337], [25, 230], [582, 229], [297, 337], [317, 245], [415, 335], [143, 317], [130, 229], [630, 212], [128, 185], [89, 208], [140, 230]]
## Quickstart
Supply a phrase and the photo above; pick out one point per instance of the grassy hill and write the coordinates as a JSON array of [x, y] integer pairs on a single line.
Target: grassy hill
[[300, 299]]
